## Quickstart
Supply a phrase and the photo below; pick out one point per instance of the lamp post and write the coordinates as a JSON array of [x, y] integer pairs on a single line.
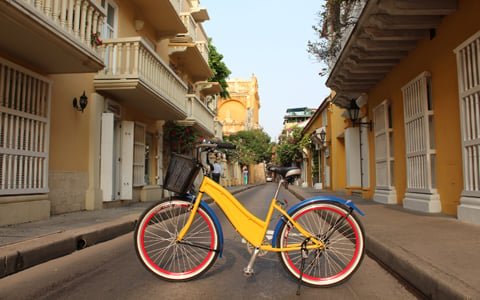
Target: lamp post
[[353, 113]]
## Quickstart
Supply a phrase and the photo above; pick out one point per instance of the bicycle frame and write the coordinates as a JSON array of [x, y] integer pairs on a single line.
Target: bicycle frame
[[250, 227]]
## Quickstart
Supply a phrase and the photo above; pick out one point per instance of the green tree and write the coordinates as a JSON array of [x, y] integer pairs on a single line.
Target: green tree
[[290, 146], [219, 68], [253, 146], [334, 17]]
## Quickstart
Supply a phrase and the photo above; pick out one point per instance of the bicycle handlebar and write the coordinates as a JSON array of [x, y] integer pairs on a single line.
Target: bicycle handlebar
[[217, 146]]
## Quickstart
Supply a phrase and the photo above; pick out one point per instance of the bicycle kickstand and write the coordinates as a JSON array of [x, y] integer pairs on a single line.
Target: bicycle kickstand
[[248, 270], [302, 264]]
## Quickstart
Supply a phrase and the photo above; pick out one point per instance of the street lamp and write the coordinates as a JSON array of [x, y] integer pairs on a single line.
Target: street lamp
[[353, 112], [323, 136]]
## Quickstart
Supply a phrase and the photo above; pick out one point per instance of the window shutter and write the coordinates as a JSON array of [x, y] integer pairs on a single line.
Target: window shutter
[[139, 155], [106, 153]]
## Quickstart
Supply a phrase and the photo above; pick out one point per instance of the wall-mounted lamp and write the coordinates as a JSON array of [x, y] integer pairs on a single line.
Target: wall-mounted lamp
[[353, 111], [323, 136], [80, 104]]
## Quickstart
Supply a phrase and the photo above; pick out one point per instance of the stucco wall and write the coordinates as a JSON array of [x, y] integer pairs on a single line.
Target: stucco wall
[[435, 56]]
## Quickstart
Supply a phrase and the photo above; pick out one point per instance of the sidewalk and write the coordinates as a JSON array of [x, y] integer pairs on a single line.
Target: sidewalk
[[29, 244], [437, 254]]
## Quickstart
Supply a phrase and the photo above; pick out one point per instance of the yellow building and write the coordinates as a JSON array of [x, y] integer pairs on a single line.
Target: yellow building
[[413, 70], [85, 88], [237, 113], [324, 161], [241, 110]]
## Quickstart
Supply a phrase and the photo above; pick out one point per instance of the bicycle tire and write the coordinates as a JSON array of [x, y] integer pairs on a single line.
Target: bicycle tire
[[158, 250], [345, 244]]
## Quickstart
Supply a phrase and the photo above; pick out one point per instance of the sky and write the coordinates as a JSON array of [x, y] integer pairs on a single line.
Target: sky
[[269, 38]]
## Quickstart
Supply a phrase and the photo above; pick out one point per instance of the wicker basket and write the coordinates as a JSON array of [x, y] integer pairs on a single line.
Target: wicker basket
[[181, 173]]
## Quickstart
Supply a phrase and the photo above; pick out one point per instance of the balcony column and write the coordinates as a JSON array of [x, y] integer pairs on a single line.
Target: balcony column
[[83, 21], [56, 10], [47, 8], [95, 22], [70, 16], [89, 30], [76, 21], [63, 14]]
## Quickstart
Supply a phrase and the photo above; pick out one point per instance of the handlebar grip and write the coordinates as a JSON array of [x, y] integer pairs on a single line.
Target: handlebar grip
[[226, 146]]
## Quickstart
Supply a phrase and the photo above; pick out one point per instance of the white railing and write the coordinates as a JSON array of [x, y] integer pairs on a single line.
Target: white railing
[[202, 41], [78, 18], [130, 58], [347, 31], [189, 22], [24, 130], [199, 111], [203, 47]]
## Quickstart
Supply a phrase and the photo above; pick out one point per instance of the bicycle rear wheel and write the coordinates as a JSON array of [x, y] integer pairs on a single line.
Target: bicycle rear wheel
[[342, 234], [158, 249]]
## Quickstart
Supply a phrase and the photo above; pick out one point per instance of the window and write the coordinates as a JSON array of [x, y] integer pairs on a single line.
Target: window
[[418, 115], [468, 57], [382, 144], [110, 27], [24, 130]]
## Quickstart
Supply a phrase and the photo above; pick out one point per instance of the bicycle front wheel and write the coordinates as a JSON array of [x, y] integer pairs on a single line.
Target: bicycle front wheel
[[160, 252], [342, 234]]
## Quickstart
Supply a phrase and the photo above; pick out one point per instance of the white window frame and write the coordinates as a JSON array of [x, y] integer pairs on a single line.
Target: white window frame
[[24, 130], [107, 28], [468, 56], [420, 150], [468, 65], [384, 160]]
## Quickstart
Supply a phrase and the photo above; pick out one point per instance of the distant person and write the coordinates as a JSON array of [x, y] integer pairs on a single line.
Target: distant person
[[217, 171], [245, 175]]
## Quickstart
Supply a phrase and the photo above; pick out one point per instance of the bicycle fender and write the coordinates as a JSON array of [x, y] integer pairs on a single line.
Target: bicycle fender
[[308, 201], [207, 207]]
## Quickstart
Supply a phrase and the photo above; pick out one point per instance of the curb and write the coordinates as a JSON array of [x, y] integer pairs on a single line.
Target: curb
[[23, 255], [426, 278]]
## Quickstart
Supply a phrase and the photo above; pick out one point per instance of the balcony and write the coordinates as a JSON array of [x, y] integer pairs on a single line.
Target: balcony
[[384, 34], [162, 15], [190, 58], [136, 76], [53, 36], [199, 116]]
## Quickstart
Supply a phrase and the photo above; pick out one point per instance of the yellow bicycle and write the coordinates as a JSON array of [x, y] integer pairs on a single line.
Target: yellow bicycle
[[320, 241]]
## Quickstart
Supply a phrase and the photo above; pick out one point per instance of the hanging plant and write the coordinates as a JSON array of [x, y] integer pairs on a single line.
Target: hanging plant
[[182, 139], [95, 39]]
